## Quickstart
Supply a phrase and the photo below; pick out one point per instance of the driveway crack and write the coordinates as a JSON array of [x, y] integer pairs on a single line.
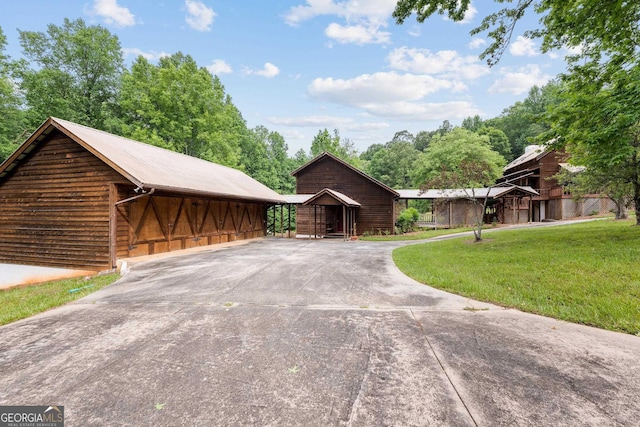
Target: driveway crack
[[433, 351]]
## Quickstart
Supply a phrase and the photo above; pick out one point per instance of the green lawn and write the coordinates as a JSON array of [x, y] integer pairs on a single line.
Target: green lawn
[[585, 273], [18, 303], [419, 235]]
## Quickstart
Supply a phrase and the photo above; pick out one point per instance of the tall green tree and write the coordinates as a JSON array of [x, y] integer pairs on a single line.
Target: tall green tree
[[525, 120], [460, 159], [393, 164], [340, 147], [182, 107], [264, 158], [11, 114], [498, 141], [73, 73], [598, 122]]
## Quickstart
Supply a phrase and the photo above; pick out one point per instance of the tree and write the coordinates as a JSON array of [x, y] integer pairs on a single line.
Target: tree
[[393, 164], [75, 75], [498, 140], [474, 124], [611, 183], [460, 160], [525, 120], [182, 107], [597, 26], [12, 123], [342, 148], [599, 124]]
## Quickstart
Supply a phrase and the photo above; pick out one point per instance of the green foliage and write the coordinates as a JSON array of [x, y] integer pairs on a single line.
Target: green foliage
[[584, 273], [393, 164], [342, 148], [598, 122], [459, 159], [498, 140], [74, 75], [526, 120], [181, 107], [12, 116], [600, 28], [407, 220]]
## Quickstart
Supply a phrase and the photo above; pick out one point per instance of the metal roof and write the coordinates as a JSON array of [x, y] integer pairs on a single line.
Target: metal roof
[[466, 193], [531, 152], [303, 199], [148, 166], [342, 198]]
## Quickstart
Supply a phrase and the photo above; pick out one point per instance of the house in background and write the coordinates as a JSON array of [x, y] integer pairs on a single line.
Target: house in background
[[334, 198], [75, 197], [536, 168]]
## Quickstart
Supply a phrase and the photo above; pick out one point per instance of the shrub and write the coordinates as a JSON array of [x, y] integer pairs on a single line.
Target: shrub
[[407, 220]]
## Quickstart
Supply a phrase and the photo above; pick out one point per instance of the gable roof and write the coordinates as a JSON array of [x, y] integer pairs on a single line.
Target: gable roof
[[532, 152], [347, 165], [148, 166], [342, 198]]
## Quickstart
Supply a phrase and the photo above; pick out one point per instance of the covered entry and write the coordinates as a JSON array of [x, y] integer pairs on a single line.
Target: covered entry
[[327, 213]]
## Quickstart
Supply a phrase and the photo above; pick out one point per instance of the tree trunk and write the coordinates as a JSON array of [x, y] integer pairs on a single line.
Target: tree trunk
[[621, 208]]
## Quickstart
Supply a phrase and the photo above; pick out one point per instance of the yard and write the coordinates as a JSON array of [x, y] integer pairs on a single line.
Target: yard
[[584, 273]]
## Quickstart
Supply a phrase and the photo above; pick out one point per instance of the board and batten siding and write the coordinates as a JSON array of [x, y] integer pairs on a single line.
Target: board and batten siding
[[164, 223], [54, 207], [377, 204]]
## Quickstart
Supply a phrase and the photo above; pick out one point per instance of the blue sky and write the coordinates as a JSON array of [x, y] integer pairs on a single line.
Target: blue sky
[[299, 66]]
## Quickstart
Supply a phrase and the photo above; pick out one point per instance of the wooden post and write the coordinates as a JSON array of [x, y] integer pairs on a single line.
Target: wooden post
[[113, 225], [315, 221], [345, 226], [281, 220], [289, 226]]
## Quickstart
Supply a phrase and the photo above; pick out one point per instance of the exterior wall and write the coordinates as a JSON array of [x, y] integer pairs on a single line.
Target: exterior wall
[[376, 210], [514, 210], [163, 223], [54, 208], [590, 205], [57, 208], [305, 217], [456, 213]]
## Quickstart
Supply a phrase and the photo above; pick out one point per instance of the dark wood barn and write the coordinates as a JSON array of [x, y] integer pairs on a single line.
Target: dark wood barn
[[76, 197], [536, 168], [339, 199]]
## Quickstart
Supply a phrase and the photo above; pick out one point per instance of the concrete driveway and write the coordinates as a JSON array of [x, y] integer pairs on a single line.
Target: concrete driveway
[[301, 333]]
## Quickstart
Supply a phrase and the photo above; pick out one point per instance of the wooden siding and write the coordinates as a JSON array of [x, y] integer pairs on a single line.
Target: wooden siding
[[54, 208], [376, 210], [158, 224]]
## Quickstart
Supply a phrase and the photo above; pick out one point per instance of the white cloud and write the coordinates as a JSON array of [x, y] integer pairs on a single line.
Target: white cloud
[[113, 13], [199, 16], [519, 81], [523, 46], [378, 88], [348, 9], [358, 34], [445, 63], [477, 42], [431, 111], [363, 21], [219, 66], [268, 71], [149, 56]]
